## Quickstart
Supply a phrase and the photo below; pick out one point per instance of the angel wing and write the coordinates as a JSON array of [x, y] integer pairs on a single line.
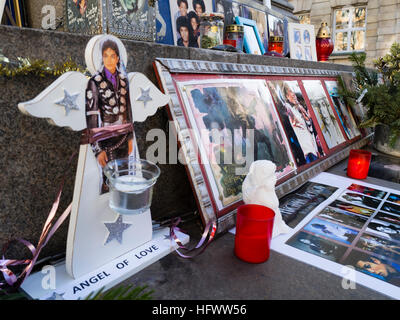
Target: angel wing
[[62, 103], [145, 97]]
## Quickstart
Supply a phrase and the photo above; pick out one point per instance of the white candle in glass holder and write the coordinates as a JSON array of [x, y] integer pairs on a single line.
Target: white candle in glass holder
[[130, 194]]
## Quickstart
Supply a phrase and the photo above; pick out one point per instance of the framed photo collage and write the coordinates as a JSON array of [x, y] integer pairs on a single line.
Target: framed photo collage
[[228, 115]]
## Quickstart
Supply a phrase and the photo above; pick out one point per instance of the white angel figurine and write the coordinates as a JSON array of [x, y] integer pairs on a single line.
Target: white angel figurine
[[110, 98], [259, 188]]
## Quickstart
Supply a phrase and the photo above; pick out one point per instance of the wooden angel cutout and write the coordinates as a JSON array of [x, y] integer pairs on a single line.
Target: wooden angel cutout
[[110, 97]]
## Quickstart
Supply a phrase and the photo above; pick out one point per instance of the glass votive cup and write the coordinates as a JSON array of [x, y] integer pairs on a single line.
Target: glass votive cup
[[254, 224], [131, 184], [358, 163]]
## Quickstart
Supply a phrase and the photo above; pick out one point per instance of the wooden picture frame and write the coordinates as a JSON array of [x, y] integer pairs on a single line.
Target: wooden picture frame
[[302, 41], [179, 77], [252, 40]]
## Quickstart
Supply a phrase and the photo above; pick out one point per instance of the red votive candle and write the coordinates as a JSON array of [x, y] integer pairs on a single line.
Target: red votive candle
[[358, 165], [254, 225]]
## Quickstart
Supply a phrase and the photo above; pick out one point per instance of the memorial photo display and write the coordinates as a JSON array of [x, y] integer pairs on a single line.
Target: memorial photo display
[[234, 123], [297, 120], [344, 112], [185, 20], [360, 229], [228, 115], [324, 113]]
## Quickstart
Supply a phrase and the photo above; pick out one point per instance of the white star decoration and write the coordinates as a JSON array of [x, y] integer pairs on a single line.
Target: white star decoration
[[56, 296], [145, 96], [116, 229], [68, 102]]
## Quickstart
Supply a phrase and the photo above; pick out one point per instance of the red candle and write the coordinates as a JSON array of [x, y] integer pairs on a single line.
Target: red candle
[[254, 224], [324, 43], [358, 165]]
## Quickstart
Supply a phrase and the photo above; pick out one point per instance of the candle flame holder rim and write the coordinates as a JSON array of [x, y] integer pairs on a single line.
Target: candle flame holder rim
[[134, 168]]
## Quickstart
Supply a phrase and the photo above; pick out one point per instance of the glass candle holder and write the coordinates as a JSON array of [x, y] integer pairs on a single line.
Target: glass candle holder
[[211, 30], [275, 44], [358, 164], [131, 184], [234, 35], [254, 224]]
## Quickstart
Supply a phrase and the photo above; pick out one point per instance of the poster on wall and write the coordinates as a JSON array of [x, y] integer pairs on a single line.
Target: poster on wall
[[296, 118], [324, 113], [83, 16], [332, 237], [163, 23], [185, 20], [132, 19], [344, 112]]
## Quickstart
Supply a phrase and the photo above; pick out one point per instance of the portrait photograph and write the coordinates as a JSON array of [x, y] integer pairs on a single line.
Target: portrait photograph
[[345, 115], [391, 208], [395, 198], [234, 121], [108, 103], [296, 205], [323, 112], [225, 7], [375, 266], [331, 230], [380, 246], [318, 246], [367, 191], [343, 217], [387, 217], [296, 118], [298, 53], [83, 16], [185, 20], [385, 229], [301, 38], [260, 18], [359, 199], [275, 26], [352, 208], [297, 36], [253, 42]]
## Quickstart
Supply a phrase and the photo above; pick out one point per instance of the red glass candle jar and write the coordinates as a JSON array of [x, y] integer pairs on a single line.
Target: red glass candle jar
[[234, 35], [254, 224], [324, 44], [358, 164], [275, 44]]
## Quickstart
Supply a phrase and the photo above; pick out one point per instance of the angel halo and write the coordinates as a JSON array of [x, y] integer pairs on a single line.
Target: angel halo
[[96, 234]]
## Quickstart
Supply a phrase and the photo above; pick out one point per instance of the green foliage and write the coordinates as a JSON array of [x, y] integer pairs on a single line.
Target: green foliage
[[41, 68], [11, 296], [122, 293], [381, 88]]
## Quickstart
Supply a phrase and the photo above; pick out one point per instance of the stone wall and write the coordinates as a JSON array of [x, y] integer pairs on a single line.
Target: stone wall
[[383, 23], [34, 154]]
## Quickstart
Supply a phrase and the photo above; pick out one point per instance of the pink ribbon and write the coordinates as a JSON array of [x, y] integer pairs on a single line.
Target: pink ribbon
[[48, 230], [103, 133], [209, 231]]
